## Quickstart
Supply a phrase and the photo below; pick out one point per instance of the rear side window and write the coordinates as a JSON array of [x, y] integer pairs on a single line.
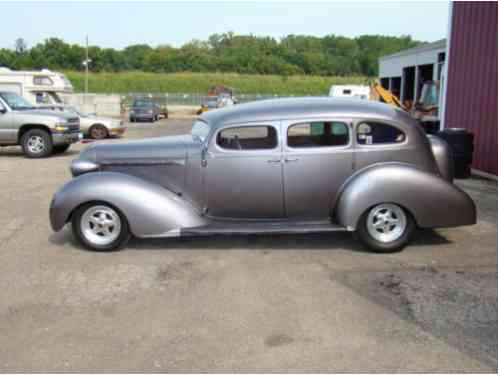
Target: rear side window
[[318, 134], [374, 133], [248, 138]]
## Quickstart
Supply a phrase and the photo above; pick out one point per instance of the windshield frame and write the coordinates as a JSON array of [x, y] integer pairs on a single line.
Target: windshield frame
[[202, 132], [6, 95]]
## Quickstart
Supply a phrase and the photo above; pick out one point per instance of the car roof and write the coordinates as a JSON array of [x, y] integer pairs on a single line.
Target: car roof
[[294, 108]]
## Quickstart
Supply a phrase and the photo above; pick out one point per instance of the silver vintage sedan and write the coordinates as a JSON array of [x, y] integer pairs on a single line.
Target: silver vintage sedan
[[278, 166]]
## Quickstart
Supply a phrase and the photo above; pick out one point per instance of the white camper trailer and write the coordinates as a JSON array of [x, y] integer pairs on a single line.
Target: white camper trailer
[[350, 91], [38, 87]]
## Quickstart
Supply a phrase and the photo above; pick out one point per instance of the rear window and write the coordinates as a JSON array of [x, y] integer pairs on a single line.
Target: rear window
[[374, 133], [142, 103]]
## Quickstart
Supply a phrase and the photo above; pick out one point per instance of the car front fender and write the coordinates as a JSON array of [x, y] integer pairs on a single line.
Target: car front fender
[[433, 201], [151, 210]]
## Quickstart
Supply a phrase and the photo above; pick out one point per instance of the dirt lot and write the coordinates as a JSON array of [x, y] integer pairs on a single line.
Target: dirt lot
[[261, 303]]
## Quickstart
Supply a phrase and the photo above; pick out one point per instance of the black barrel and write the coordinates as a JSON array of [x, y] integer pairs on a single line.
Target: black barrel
[[462, 145]]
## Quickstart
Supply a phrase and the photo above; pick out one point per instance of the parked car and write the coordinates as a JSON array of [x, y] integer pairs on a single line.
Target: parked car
[[275, 166], [144, 110], [39, 132], [91, 126], [98, 127]]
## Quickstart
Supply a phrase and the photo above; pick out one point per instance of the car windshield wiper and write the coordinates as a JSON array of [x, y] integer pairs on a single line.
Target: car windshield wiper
[[23, 108]]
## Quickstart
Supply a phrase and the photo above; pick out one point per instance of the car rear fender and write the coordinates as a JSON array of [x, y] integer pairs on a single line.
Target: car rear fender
[[433, 201], [151, 210]]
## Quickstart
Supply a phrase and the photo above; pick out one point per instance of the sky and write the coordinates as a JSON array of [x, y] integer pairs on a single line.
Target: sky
[[119, 24]]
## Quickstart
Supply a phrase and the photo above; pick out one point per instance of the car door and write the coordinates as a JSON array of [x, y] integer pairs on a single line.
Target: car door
[[317, 159], [244, 172], [8, 134]]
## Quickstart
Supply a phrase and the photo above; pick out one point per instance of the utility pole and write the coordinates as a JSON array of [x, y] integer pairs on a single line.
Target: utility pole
[[86, 69]]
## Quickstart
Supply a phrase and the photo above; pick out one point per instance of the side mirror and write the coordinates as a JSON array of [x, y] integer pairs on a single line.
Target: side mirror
[[3, 111]]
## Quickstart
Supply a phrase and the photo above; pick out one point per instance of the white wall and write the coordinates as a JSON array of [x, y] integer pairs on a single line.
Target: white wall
[[101, 104]]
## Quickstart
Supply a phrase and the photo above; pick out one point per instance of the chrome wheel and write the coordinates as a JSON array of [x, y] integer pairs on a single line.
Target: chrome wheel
[[386, 222], [35, 144], [100, 225]]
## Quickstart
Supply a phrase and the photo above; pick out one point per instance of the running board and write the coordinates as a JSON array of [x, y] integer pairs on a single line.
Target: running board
[[254, 227]]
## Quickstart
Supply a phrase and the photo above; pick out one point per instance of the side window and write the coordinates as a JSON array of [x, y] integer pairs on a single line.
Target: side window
[[317, 134], [248, 138], [373, 133]]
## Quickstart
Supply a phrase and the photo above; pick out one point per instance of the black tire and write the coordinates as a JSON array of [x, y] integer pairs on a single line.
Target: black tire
[[373, 244], [132, 119], [462, 171], [41, 136], [60, 149], [123, 237], [98, 131], [463, 158]]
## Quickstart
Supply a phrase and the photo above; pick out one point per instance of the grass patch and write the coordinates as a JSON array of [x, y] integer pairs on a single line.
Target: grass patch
[[126, 82]]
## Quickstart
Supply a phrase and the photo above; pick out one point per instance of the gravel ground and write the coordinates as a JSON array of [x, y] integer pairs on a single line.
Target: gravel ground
[[261, 303]]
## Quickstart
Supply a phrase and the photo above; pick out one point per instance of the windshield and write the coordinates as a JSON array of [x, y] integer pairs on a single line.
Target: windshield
[[15, 101], [76, 112], [200, 130], [430, 95], [142, 103]]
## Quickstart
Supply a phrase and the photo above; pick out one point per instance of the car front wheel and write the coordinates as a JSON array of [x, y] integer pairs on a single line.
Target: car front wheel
[[36, 143], [100, 227], [386, 228]]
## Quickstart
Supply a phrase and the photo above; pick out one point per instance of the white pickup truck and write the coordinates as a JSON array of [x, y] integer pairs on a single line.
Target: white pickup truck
[[40, 133]]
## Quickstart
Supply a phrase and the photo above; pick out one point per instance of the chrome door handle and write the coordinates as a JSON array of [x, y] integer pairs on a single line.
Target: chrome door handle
[[274, 161], [288, 160]]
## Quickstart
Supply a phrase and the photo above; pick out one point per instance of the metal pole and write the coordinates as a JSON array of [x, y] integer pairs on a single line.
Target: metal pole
[[86, 70]]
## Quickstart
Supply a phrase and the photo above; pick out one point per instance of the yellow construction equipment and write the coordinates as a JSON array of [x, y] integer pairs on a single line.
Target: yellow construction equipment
[[381, 94]]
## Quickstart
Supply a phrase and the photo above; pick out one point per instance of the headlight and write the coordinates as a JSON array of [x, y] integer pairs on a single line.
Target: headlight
[[61, 127], [132, 111], [150, 111]]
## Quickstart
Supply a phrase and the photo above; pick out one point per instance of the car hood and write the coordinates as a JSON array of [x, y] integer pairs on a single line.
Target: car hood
[[48, 113], [160, 160], [162, 150]]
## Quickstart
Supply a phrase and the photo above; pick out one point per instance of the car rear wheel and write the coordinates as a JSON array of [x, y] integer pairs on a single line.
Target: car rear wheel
[[100, 227], [98, 132], [386, 228], [36, 143]]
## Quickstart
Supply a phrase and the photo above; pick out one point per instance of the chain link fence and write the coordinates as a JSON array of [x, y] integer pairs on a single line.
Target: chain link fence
[[117, 105], [190, 99]]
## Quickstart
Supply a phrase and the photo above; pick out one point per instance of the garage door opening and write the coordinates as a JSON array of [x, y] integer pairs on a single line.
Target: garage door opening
[[425, 74], [409, 86]]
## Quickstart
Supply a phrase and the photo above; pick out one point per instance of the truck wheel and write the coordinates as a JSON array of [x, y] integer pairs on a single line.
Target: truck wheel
[[37, 143], [98, 132], [386, 228], [60, 149], [100, 227]]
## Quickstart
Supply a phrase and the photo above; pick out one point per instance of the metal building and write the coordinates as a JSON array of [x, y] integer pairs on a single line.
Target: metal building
[[471, 98], [404, 73]]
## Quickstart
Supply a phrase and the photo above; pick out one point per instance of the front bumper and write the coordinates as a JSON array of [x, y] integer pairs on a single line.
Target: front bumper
[[117, 131], [66, 138]]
